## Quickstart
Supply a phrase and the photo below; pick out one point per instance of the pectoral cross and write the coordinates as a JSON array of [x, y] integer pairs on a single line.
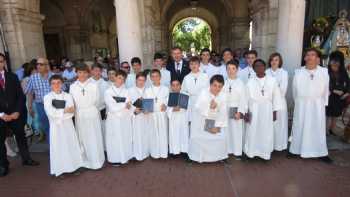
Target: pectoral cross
[[83, 91], [262, 92], [156, 99], [195, 80], [230, 89], [249, 75]]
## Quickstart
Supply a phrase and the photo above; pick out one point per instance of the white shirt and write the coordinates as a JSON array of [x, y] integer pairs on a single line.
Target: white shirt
[[69, 74], [212, 70], [178, 65]]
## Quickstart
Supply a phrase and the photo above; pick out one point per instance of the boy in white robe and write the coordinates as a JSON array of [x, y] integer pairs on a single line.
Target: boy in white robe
[[207, 67], [96, 77], [264, 100], [280, 126], [236, 108], [208, 142], [65, 153], [178, 127], [118, 122], [310, 92], [136, 68], [158, 118], [158, 63], [140, 123], [193, 84], [87, 118], [248, 72]]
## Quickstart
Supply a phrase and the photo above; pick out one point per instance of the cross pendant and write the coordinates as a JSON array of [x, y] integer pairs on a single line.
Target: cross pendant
[[83, 91], [230, 89], [312, 76], [262, 92], [156, 99], [249, 76], [195, 80]]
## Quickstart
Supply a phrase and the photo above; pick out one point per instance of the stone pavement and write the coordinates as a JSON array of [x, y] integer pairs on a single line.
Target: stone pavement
[[280, 177]]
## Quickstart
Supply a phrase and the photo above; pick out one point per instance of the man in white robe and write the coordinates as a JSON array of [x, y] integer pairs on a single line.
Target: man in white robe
[[264, 100], [208, 144], [193, 84], [310, 92], [140, 122], [96, 77], [236, 107], [281, 123], [65, 153], [158, 118], [87, 118], [178, 125], [248, 72], [118, 122]]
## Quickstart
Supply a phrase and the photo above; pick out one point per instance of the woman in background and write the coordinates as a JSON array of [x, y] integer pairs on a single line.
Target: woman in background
[[339, 87]]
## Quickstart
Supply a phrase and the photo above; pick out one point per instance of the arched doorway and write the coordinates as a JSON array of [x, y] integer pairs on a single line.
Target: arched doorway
[[192, 34]]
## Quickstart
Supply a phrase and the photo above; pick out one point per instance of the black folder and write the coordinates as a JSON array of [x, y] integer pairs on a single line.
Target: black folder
[[59, 104], [119, 99], [138, 103], [178, 99], [209, 124]]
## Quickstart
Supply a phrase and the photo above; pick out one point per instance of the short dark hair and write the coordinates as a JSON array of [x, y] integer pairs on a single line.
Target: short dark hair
[[227, 50], [195, 59], [251, 52], [141, 74], [318, 52], [273, 55], [233, 62], [205, 50], [259, 61], [121, 73], [173, 80], [82, 67], [217, 78], [135, 60], [56, 77], [176, 48], [158, 56], [97, 65], [155, 71]]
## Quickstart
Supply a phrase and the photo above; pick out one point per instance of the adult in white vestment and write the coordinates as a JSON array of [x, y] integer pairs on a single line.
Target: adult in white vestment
[[310, 92]]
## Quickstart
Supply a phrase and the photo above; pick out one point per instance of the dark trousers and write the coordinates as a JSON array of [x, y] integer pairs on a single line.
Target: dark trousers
[[17, 127]]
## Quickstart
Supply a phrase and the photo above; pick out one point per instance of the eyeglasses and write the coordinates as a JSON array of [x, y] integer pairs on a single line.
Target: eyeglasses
[[41, 64]]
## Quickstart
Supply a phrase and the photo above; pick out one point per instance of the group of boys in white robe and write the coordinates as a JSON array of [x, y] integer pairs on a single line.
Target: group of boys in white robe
[[129, 135]]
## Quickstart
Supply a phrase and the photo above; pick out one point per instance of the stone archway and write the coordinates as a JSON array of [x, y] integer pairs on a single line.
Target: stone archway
[[205, 15]]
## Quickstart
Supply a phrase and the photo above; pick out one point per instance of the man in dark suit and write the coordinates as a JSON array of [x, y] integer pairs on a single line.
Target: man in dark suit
[[12, 102], [178, 67]]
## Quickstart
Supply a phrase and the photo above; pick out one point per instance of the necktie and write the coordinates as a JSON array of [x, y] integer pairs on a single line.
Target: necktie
[[2, 82], [178, 71]]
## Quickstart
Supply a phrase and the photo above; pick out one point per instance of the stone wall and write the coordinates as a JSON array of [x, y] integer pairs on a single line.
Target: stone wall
[[22, 24]]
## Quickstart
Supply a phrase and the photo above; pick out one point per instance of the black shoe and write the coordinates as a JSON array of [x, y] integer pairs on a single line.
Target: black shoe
[[291, 155], [30, 162], [4, 171], [326, 159]]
